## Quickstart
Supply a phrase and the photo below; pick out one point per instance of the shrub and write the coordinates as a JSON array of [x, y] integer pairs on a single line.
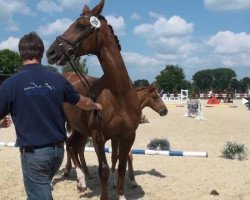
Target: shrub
[[232, 150], [159, 144]]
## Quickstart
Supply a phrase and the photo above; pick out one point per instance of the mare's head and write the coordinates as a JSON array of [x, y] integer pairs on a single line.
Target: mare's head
[[152, 99], [84, 36]]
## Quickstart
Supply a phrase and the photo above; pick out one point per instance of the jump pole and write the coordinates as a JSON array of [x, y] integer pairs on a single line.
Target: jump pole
[[157, 152], [139, 151]]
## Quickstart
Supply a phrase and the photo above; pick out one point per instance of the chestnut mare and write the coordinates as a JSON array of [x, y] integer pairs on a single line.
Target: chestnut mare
[[148, 97], [121, 113]]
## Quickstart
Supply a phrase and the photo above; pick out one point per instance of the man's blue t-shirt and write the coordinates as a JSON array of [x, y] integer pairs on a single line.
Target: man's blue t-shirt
[[34, 96]]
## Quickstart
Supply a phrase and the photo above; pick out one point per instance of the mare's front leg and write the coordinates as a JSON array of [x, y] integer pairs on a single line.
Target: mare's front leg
[[98, 142], [125, 145]]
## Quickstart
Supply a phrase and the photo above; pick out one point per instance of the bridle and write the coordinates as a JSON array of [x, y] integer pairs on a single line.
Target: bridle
[[73, 47], [70, 53]]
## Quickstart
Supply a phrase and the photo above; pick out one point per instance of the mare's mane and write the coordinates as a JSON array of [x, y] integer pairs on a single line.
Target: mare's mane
[[101, 17]]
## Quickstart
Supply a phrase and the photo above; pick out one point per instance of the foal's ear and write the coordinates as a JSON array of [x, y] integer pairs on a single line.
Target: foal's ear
[[85, 9], [96, 11], [152, 88]]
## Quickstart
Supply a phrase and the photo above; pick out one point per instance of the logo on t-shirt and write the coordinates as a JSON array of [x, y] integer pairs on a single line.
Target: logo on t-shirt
[[38, 89]]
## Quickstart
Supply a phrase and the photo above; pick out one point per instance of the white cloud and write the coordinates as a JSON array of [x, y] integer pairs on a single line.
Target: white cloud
[[8, 8], [230, 43], [230, 49], [135, 16], [49, 6], [55, 28], [155, 15], [167, 36], [227, 5], [59, 5], [174, 26], [11, 43], [118, 24]]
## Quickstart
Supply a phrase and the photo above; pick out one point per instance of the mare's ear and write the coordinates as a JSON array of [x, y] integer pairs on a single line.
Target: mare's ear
[[96, 11], [85, 9]]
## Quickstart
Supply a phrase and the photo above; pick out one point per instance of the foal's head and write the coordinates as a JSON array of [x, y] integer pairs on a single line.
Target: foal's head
[[85, 36], [153, 99]]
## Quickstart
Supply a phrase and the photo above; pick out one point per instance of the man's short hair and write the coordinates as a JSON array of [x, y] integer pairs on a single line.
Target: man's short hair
[[31, 47]]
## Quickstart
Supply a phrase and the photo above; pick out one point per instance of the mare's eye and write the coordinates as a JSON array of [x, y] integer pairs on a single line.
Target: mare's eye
[[80, 27]]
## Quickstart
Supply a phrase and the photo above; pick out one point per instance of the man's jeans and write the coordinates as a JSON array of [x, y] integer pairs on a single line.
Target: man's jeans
[[38, 171]]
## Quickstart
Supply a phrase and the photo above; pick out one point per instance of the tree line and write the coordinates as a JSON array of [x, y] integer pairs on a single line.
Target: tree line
[[170, 80]]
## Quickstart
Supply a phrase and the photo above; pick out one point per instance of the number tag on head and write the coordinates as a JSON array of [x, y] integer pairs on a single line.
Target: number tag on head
[[95, 22]]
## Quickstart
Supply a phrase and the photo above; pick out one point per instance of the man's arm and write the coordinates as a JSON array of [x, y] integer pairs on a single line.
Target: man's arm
[[87, 104]]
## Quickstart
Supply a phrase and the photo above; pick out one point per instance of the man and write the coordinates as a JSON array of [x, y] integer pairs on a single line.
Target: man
[[34, 97]]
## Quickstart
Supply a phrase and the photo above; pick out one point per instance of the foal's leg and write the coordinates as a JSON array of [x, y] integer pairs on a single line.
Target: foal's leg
[[82, 158], [124, 148], [114, 158], [73, 151], [68, 165], [69, 142], [131, 170]]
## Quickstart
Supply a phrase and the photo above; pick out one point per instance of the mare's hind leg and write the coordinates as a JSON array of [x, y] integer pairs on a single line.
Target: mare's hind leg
[[125, 145], [103, 169], [114, 158], [131, 170]]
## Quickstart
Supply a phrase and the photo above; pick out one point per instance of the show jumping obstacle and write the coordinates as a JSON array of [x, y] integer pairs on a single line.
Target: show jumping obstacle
[[138, 151]]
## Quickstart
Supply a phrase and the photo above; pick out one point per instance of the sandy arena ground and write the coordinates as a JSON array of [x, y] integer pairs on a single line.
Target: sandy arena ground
[[160, 177]]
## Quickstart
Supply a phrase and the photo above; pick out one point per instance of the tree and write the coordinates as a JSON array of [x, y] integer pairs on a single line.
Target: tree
[[81, 65], [218, 80], [203, 80], [244, 84], [171, 79], [141, 83], [10, 62], [222, 78]]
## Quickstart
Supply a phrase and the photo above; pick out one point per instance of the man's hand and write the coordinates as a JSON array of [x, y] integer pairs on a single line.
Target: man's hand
[[5, 122], [98, 106]]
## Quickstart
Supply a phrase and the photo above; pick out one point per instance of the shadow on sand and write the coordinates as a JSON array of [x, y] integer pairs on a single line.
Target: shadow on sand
[[131, 193]]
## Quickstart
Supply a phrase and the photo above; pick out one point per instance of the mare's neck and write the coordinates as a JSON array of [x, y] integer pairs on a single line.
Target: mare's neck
[[115, 72]]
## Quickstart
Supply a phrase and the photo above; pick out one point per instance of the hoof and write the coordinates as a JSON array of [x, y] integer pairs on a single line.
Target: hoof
[[122, 197], [134, 184], [66, 174], [81, 189]]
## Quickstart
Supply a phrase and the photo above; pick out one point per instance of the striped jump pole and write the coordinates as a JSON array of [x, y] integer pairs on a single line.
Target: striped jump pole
[[138, 151], [157, 152]]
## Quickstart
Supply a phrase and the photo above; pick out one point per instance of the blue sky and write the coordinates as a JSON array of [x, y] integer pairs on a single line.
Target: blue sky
[[194, 34]]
